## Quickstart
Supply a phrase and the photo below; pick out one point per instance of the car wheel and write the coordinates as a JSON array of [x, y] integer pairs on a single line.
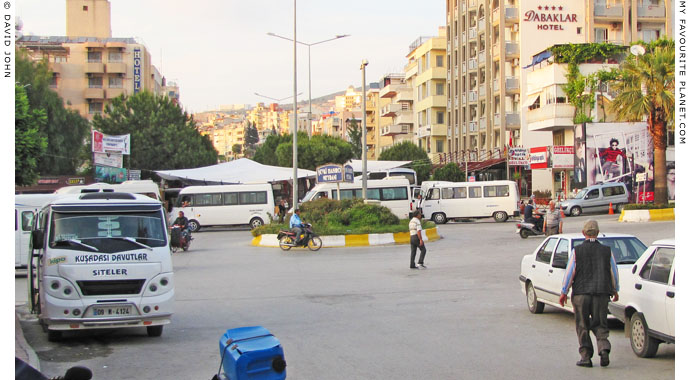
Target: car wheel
[[524, 233], [642, 344], [154, 331], [54, 335], [534, 306], [256, 222], [285, 243], [500, 216], [439, 218], [194, 226], [315, 243], [576, 211]]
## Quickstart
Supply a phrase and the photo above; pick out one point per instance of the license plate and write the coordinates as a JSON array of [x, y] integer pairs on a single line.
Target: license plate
[[111, 311]]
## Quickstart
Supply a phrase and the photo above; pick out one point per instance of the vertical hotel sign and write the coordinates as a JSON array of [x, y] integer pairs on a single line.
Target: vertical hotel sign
[[137, 70]]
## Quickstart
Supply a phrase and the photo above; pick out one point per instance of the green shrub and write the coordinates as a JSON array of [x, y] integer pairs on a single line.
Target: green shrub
[[648, 206]]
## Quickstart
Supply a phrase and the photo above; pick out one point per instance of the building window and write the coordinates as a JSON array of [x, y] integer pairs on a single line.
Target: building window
[[85, 8], [650, 35], [95, 108], [59, 59], [439, 117], [439, 146], [439, 61], [96, 82], [601, 35], [94, 57], [579, 30], [115, 56], [54, 80], [439, 88], [559, 137], [115, 82]]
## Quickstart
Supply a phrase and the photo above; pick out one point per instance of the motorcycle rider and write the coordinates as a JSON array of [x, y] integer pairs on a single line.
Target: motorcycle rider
[[182, 221], [297, 226], [530, 211]]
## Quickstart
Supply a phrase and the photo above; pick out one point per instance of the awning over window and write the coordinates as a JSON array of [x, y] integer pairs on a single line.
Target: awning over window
[[536, 59], [531, 99]]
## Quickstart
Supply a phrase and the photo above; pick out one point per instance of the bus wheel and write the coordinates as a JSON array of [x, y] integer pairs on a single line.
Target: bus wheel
[[439, 218], [256, 222], [194, 226], [154, 331], [500, 216]]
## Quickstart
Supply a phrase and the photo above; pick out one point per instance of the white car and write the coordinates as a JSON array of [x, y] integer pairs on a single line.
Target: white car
[[647, 299], [541, 273]]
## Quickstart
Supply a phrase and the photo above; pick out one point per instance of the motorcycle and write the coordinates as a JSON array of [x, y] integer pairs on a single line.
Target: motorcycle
[[527, 229], [288, 239], [24, 371], [179, 238]]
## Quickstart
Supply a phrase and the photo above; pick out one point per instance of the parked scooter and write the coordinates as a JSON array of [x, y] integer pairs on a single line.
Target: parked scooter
[[527, 229], [287, 239], [23, 371], [179, 238]]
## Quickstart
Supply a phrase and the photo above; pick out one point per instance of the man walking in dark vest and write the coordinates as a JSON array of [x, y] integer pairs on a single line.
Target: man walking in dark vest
[[593, 275]]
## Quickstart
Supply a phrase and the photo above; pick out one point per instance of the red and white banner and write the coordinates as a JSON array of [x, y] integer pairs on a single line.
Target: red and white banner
[[538, 158], [102, 143], [563, 157]]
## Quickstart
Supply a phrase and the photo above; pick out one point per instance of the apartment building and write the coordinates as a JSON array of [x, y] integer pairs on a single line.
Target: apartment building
[[90, 67], [425, 72], [374, 124], [350, 100], [396, 104]]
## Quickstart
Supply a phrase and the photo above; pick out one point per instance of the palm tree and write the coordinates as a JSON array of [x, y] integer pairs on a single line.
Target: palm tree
[[646, 86]]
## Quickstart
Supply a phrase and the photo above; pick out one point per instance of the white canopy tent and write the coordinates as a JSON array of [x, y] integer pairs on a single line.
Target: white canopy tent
[[373, 166], [242, 170]]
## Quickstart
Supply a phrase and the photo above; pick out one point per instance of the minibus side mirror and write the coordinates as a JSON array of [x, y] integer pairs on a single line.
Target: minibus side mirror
[[37, 239]]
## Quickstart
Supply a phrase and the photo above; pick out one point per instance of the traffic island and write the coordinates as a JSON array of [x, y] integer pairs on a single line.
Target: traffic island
[[653, 215], [354, 240]]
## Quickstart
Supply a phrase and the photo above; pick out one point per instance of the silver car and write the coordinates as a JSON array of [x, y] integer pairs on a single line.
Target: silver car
[[597, 198]]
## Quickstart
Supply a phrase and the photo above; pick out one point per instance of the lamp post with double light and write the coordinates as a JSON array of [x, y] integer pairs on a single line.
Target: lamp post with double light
[[309, 50]]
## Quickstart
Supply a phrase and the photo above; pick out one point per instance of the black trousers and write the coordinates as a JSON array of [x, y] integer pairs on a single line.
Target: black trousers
[[591, 313], [414, 244]]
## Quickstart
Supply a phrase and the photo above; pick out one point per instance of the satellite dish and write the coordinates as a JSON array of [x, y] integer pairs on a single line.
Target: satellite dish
[[637, 50]]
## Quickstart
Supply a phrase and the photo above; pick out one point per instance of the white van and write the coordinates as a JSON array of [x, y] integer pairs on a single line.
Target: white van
[[25, 207], [392, 192], [145, 187], [450, 200], [410, 174], [225, 205], [101, 260]]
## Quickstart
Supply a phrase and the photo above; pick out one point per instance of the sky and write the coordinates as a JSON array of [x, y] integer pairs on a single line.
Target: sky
[[219, 53]]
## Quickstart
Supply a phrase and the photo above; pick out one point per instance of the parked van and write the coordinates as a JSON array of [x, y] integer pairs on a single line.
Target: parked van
[[597, 198], [145, 187], [449, 200], [25, 207], [392, 192], [225, 205], [101, 260]]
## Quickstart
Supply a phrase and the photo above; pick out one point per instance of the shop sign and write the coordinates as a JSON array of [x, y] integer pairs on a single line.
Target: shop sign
[[108, 159], [137, 70], [76, 181], [133, 175], [470, 178], [518, 157], [48, 181], [329, 173], [549, 17], [538, 158], [562, 157], [349, 173]]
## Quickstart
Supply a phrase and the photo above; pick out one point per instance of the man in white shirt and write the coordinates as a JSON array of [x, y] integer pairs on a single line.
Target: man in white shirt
[[416, 240]]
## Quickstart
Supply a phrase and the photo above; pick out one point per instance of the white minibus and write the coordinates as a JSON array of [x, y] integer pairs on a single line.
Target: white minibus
[[25, 206], [101, 260], [450, 200], [410, 174], [392, 192], [225, 205], [145, 187]]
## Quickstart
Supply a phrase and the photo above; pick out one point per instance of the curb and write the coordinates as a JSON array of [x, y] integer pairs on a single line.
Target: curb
[[363, 240], [22, 349], [637, 216]]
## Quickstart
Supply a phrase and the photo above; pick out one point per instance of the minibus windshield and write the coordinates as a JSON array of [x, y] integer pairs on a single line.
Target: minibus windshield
[[107, 232]]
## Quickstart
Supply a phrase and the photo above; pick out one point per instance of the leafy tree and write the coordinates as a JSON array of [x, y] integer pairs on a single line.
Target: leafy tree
[[407, 151], [65, 129], [646, 86], [236, 149], [449, 172], [162, 135], [354, 133], [319, 150], [29, 145], [251, 138], [266, 152]]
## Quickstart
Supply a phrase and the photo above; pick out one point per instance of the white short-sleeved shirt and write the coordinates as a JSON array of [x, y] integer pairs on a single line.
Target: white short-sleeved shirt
[[415, 225]]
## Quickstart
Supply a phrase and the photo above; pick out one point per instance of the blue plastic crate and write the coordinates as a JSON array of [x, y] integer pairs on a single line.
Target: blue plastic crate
[[252, 353]]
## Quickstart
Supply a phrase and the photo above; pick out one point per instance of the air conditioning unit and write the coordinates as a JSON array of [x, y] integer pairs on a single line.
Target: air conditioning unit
[[639, 26], [615, 26], [121, 75], [89, 75], [516, 98], [516, 28], [516, 62], [516, 133]]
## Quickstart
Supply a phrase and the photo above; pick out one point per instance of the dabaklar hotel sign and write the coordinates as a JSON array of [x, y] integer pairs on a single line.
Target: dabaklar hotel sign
[[550, 17]]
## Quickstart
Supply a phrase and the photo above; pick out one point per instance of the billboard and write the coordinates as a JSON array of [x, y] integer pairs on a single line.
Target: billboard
[[562, 156], [538, 157], [518, 157], [102, 143], [108, 159], [110, 175]]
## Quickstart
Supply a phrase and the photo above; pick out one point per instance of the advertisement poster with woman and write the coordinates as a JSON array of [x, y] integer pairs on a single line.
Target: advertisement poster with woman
[[618, 152]]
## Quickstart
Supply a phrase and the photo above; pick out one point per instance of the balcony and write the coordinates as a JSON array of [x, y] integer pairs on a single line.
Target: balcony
[[482, 123], [116, 68], [482, 24], [433, 130], [93, 93], [482, 57], [404, 117], [464, 69], [433, 101], [651, 11], [472, 63], [113, 92], [473, 126], [391, 90], [389, 110], [482, 90], [512, 120], [511, 15], [464, 128], [371, 105], [550, 117], [395, 129], [512, 50], [472, 96], [464, 99], [473, 33], [94, 67], [512, 85], [464, 38], [613, 11]]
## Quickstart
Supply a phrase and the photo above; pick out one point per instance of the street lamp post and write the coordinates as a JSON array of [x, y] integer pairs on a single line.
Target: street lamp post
[[295, 178], [309, 52], [363, 67], [275, 99]]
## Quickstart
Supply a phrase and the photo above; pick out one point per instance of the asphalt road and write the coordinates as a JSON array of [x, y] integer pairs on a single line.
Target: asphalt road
[[360, 313]]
